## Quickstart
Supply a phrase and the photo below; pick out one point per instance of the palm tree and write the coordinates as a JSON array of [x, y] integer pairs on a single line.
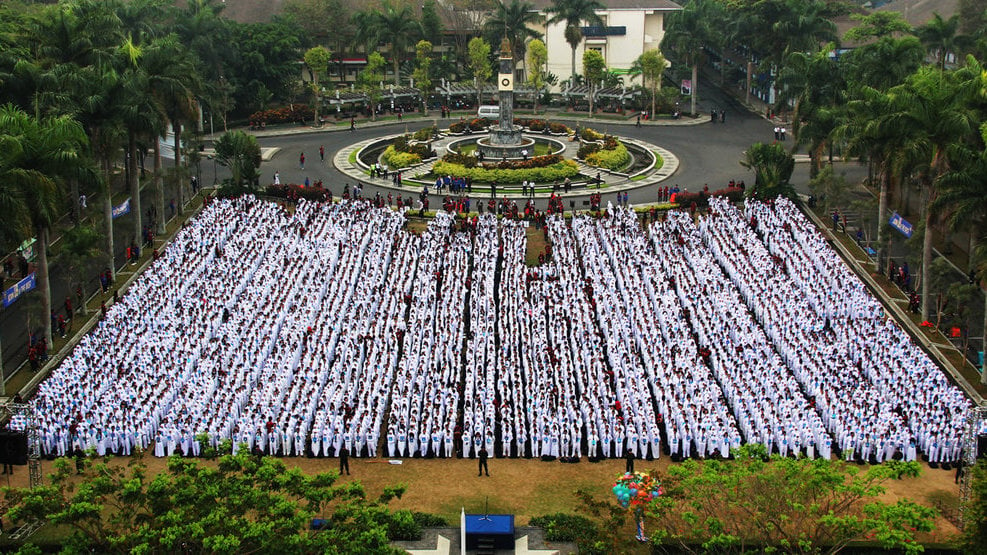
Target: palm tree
[[930, 113], [512, 21], [36, 159], [573, 13], [687, 33], [884, 63], [773, 167], [397, 26], [171, 71], [941, 38]]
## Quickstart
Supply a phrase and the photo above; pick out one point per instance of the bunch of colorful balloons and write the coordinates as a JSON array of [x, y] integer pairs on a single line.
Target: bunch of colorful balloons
[[636, 490]]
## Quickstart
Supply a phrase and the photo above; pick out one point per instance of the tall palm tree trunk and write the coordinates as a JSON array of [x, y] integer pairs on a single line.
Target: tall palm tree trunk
[[43, 281], [74, 201], [397, 70], [179, 178], [882, 216], [108, 217], [135, 188], [927, 258], [695, 86], [572, 77], [159, 196]]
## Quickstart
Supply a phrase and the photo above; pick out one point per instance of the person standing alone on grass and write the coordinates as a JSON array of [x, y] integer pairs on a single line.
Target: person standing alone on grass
[[629, 467], [344, 460], [482, 462]]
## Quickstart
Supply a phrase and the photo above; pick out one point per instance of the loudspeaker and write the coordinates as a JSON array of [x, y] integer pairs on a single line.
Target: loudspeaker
[[982, 446], [13, 448]]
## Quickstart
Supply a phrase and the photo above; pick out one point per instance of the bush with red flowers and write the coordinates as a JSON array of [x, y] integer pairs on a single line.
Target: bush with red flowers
[[733, 194], [285, 114]]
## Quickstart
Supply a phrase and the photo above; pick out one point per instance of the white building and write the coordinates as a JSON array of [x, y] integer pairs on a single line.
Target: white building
[[629, 28]]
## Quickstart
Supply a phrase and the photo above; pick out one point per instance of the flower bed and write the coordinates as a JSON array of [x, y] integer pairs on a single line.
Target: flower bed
[[734, 194], [295, 192], [545, 174], [611, 154], [611, 159], [468, 161], [476, 124], [395, 159], [286, 114]]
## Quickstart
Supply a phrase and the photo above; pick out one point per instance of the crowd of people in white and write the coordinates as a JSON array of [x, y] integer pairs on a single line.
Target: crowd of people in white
[[302, 332]]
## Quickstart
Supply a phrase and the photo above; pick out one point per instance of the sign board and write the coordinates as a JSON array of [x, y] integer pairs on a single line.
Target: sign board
[[19, 288], [900, 224], [687, 86], [27, 249], [124, 208]]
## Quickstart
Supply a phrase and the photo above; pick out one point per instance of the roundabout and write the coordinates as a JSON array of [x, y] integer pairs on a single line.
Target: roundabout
[[355, 160]]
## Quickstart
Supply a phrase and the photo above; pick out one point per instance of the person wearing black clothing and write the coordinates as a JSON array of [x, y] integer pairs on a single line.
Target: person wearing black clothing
[[482, 466], [629, 456], [344, 460]]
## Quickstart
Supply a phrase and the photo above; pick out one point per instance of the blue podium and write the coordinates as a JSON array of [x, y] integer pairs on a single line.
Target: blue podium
[[486, 531]]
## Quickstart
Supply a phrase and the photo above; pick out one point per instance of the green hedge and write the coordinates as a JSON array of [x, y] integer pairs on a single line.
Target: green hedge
[[547, 174], [610, 159], [396, 160], [562, 527]]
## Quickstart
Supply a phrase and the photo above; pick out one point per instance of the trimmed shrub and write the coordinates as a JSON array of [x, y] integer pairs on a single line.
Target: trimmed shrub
[[401, 525], [558, 128], [733, 194], [395, 159], [425, 133], [462, 159], [587, 149], [295, 192], [423, 151], [563, 527], [428, 519], [611, 159], [285, 114], [546, 174], [588, 134], [476, 124]]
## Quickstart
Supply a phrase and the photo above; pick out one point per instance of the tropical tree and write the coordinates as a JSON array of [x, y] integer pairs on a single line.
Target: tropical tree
[[941, 38], [573, 13], [36, 160], [479, 64], [431, 22], [512, 21], [171, 72], [369, 81], [537, 58], [243, 504], [930, 113], [239, 152], [78, 254], [651, 63], [686, 34], [317, 59], [883, 63], [397, 26], [773, 167], [422, 73], [593, 70], [787, 505]]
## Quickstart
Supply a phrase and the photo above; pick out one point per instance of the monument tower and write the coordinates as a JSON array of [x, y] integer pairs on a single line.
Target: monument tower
[[505, 140]]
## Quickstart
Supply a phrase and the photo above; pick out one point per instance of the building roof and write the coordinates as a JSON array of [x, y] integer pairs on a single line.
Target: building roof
[[919, 12], [661, 5]]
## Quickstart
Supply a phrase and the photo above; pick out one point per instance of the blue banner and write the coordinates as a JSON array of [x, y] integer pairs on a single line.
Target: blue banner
[[124, 208], [19, 288], [900, 224]]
